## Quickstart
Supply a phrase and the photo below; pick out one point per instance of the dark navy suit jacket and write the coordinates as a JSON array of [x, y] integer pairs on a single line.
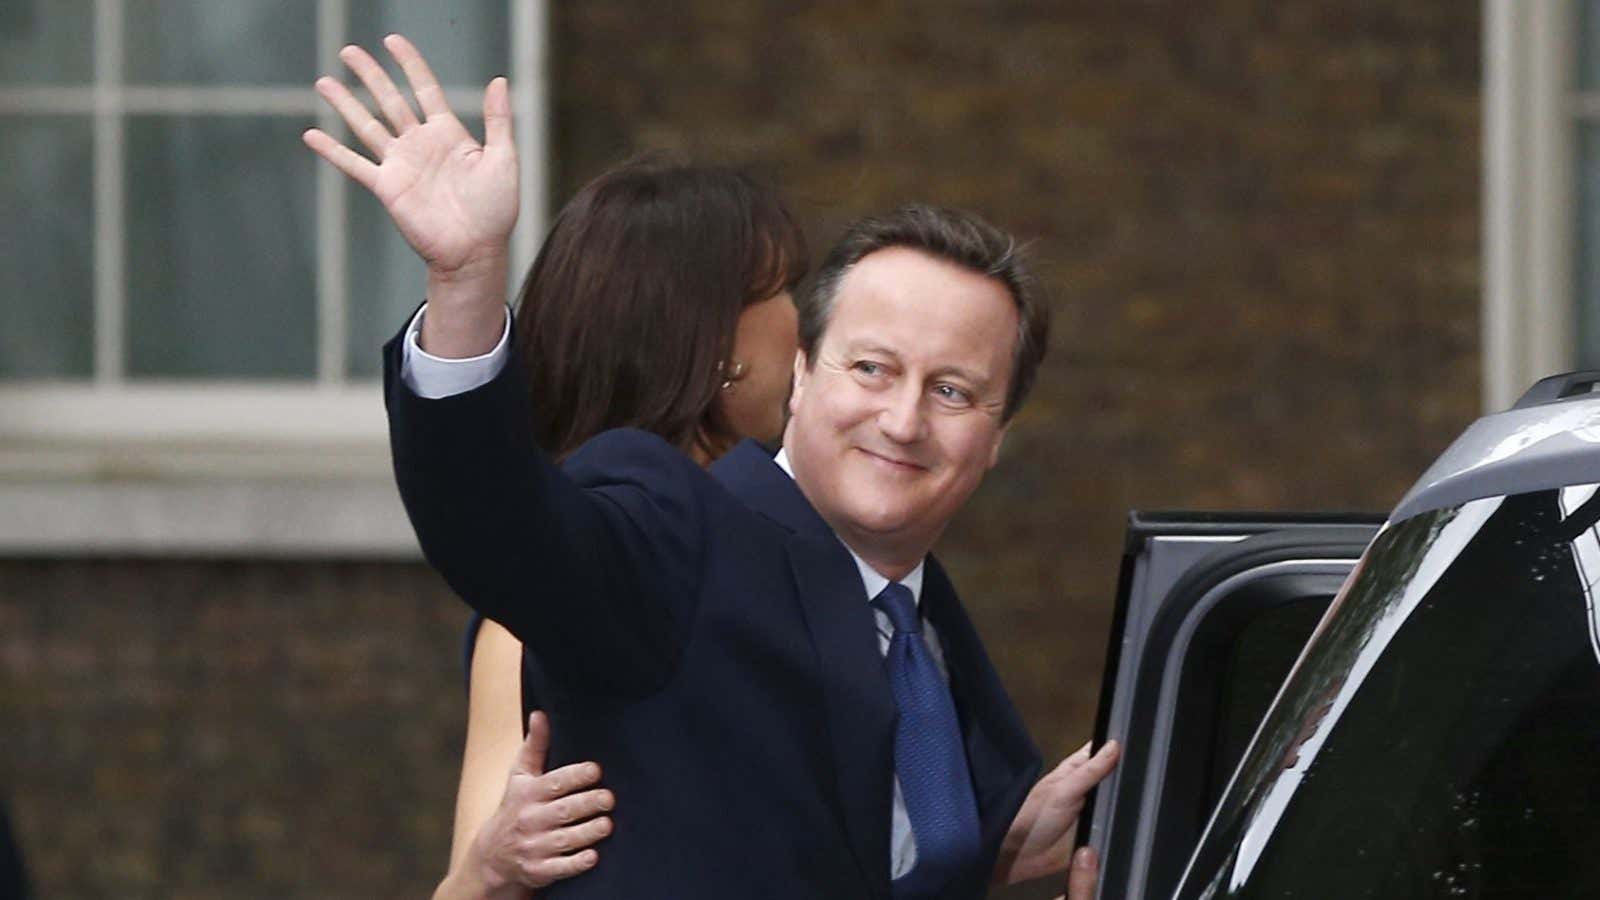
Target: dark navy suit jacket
[[706, 638]]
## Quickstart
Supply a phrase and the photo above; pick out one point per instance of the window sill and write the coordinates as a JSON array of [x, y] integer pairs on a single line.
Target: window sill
[[239, 517]]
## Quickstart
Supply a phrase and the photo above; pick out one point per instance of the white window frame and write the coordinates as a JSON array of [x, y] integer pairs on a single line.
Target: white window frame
[[1530, 117], [236, 467]]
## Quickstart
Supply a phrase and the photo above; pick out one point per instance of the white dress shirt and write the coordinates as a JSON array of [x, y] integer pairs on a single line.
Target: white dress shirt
[[434, 377]]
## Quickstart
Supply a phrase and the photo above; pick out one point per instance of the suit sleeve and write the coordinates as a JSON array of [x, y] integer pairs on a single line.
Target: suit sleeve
[[593, 568]]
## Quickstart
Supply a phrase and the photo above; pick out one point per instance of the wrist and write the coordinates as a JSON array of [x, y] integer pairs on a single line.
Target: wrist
[[478, 282], [461, 885], [466, 309], [478, 878], [491, 262]]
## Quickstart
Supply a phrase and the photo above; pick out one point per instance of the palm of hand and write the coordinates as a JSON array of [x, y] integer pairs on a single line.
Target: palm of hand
[[449, 196]]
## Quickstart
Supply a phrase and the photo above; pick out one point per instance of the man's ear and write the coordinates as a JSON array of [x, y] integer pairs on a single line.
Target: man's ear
[[797, 384]]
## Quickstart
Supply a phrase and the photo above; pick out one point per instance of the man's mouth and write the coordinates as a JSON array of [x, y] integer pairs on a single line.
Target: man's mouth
[[895, 461]]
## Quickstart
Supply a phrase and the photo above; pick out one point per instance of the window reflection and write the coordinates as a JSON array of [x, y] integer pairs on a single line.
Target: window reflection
[[464, 40], [46, 43], [47, 317], [1586, 549], [221, 258], [206, 42], [1438, 739]]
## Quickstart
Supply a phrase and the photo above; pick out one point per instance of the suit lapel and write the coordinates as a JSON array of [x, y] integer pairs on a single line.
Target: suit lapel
[[858, 704], [856, 694], [1002, 757]]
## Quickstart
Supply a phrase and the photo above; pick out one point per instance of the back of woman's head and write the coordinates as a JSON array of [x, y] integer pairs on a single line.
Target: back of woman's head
[[627, 317]]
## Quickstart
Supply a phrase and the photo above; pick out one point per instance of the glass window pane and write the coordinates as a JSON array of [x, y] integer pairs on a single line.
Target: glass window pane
[[47, 241], [208, 43], [387, 280], [386, 283], [46, 43], [466, 43], [1589, 44], [1587, 263], [221, 233], [1257, 662]]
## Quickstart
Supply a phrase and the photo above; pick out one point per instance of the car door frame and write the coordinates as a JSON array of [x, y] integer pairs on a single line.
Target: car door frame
[[1188, 582]]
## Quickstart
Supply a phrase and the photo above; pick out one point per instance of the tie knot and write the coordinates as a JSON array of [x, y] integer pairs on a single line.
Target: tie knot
[[897, 603]]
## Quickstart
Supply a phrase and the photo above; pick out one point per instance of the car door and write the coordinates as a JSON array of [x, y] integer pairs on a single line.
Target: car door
[[1212, 611]]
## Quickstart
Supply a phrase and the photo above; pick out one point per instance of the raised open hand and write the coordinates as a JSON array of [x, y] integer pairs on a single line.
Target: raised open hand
[[453, 199]]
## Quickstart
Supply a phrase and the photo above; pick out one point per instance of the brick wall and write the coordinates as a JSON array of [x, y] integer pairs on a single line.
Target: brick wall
[[195, 729], [1259, 220]]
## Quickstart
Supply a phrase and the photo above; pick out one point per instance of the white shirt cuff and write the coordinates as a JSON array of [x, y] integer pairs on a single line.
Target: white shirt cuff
[[434, 377]]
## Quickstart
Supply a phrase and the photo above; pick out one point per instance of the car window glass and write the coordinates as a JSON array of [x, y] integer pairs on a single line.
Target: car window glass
[[1258, 659], [1438, 739]]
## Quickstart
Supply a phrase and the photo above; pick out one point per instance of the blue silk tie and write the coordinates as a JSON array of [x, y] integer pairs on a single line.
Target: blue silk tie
[[928, 755]]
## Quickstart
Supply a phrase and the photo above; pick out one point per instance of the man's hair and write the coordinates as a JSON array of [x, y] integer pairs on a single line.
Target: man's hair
[[954, 236], [627, 317]]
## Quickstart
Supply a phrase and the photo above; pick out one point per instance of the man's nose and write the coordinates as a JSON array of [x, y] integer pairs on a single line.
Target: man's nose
[[903, 419]]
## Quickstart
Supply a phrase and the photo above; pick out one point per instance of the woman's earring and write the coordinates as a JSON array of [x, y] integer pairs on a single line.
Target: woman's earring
[[732, 374]]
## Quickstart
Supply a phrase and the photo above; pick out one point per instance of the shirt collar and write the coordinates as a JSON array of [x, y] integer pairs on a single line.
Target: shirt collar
[[870, 579]]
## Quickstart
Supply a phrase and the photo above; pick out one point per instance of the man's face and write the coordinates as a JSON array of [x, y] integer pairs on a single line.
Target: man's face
[[899, 415]]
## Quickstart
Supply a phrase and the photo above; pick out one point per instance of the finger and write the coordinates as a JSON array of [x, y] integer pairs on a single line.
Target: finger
[[497, 116], [389, 99], [1073, 760], [424, 85], [1107, 755], [567, 779], [1064, 768], [535, 745], [361, 123], [1094, 769], [571, 809], [572, 838], [361, 170], [1083, 875], [543, 872]]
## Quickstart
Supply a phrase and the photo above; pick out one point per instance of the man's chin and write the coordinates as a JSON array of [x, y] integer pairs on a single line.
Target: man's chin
[[879, 522]]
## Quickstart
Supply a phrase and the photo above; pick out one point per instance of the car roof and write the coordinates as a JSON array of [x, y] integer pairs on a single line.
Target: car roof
[[1549, 439]]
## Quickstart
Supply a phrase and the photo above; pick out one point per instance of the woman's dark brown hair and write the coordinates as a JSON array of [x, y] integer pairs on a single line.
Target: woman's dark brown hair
[[627, 317]]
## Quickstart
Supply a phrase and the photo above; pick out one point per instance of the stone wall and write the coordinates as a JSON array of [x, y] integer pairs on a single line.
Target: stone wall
[[1259, 221]]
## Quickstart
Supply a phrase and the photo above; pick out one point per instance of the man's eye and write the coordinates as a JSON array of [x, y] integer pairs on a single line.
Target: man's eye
[[952, 394], [868, 368]]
